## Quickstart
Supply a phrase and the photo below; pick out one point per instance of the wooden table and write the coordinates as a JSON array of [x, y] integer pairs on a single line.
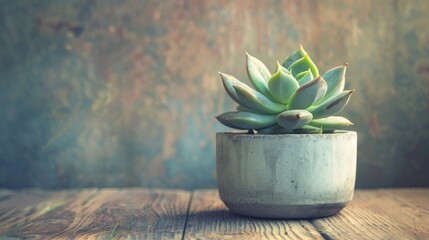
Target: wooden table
[[137, 213]]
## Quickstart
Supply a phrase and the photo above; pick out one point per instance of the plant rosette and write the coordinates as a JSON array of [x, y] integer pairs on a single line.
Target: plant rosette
[[293, 162]]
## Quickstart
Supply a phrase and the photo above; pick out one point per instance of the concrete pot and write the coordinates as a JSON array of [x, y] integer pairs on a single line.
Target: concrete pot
[[286, 175]]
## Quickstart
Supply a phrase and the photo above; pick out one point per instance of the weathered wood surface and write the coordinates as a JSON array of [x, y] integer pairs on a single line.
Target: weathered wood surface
[[94, 214], [177, 214], [381, 214], [209, 219]]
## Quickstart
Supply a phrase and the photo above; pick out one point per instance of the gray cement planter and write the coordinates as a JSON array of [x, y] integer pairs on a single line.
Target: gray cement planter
[[286, 175]]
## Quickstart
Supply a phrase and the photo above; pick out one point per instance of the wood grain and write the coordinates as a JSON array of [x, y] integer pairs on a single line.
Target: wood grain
[[177, 214], [209, 219], [90, 214], [20, 209], [380, 214]]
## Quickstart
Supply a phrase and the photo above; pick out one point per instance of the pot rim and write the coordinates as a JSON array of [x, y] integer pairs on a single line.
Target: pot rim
[[244, 134]]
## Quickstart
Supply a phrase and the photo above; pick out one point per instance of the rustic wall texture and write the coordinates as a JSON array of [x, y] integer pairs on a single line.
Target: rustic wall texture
[[124, 93]]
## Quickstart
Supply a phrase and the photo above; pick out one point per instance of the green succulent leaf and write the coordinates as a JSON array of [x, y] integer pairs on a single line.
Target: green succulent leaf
[[331, 106], [293, 119], [335, 78], [308, 94], [274, 129], [248, 97], [246, 120], [228, 82], [302, 65], [305, 78], [294, 57], [296, 99], [301, 74], [225, 122], [258, 75], [282, 86], [283, 69], [245, 109], [308, 130], [255, 100], [331, 123]]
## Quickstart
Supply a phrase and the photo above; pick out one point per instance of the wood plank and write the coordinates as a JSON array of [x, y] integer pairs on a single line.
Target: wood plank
[[106, 213], [381, 214], [20, 208], [161, 214], [5, 194], [209, 219]]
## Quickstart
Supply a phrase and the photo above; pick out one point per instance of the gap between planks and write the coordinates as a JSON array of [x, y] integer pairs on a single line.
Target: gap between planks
[[187, 214]]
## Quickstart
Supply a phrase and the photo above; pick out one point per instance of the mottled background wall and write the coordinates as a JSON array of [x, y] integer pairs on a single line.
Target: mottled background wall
[[124, 93]]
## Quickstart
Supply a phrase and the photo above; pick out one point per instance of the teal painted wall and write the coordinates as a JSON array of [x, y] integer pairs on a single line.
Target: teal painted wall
[[124, 93]]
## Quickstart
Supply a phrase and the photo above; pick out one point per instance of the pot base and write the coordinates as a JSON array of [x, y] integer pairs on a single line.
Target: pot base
[[285, 211]]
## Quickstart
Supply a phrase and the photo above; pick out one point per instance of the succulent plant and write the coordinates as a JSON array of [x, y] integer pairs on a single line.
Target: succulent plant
[[295, 99]]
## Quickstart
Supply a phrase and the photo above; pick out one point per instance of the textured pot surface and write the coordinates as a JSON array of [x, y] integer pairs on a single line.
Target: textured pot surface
[[286, 175]]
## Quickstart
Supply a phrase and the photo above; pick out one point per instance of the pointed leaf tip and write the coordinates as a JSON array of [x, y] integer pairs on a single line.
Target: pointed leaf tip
[[331, 123], [228, 82], [294, 57], [258, 74], [301, 48], [331, 106], [246, 120], [335, 78], [222, 119], [283, 69], [303, 64]]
